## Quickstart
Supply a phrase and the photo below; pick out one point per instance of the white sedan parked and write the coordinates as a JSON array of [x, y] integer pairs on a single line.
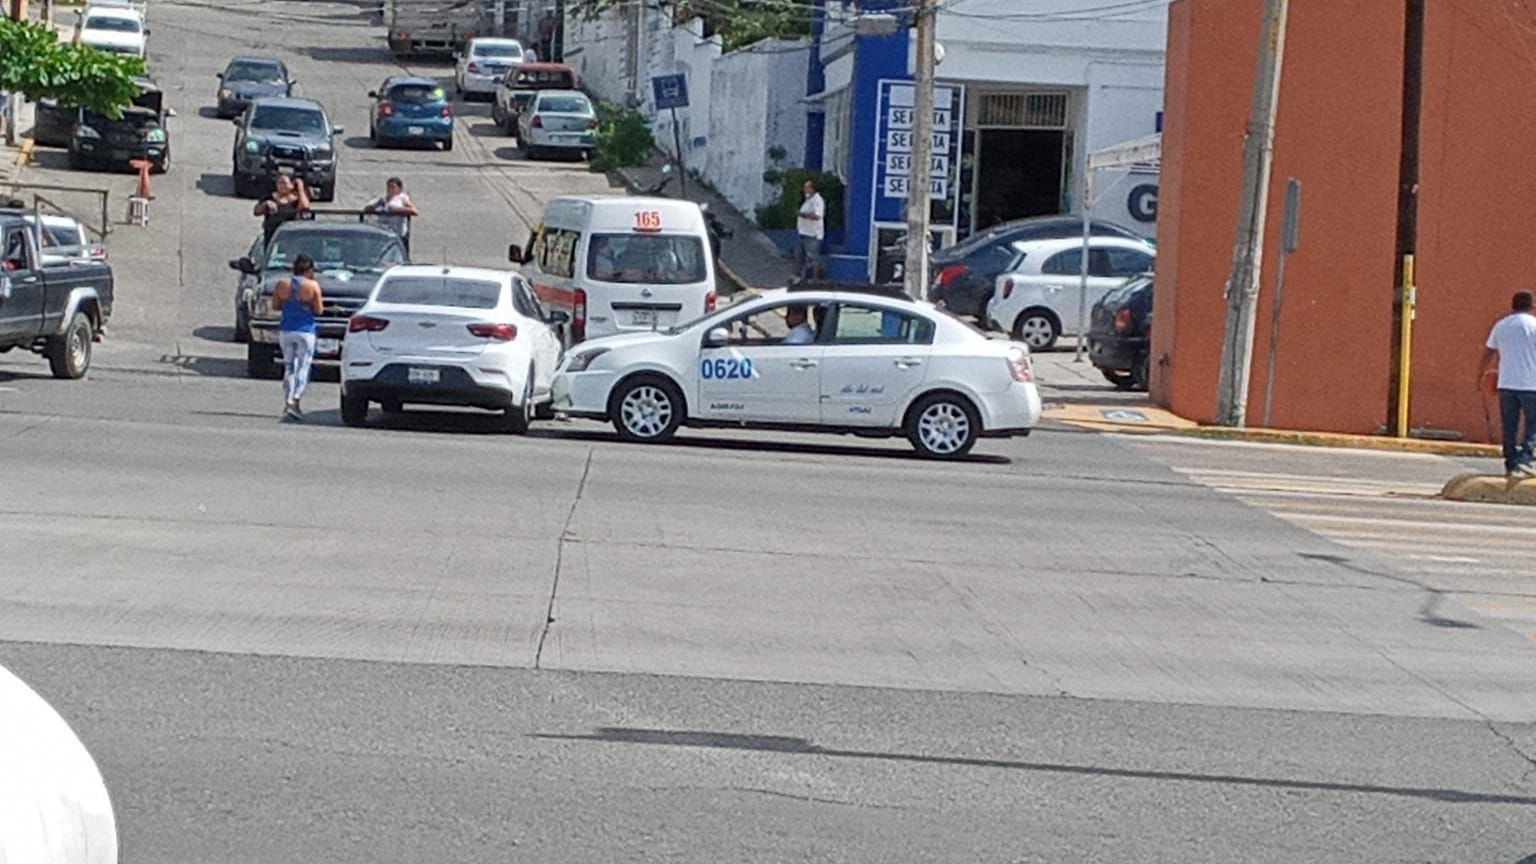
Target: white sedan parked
[[1042, 298], [482, 63], [557, 121], [869, 364], [450, 336]]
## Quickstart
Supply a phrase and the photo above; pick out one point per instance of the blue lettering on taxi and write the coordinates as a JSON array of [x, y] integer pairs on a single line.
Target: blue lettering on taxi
[[725, 368]]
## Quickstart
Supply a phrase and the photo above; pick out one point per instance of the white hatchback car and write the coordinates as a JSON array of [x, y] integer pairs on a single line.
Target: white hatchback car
[[482, 63], [450, 336], [557, 121], [871, 364], [1042, 298]]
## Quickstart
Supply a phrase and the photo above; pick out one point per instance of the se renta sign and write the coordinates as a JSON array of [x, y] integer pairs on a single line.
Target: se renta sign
[[893, 151], [670, 91]]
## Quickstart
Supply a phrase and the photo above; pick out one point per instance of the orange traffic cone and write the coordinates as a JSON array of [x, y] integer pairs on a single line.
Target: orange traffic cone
[[138, 203]]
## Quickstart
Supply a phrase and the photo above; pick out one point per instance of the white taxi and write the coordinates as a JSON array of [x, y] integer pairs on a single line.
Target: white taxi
[[816, 357]]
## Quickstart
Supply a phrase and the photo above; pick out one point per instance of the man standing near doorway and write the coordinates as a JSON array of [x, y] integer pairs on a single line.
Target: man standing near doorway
[[1513, 343], [811, 226]]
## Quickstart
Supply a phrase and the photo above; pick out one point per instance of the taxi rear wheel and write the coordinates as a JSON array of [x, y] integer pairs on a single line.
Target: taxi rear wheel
[[943, 426], [646, 408]]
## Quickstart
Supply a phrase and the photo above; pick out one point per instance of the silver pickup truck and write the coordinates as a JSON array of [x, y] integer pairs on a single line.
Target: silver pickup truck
[[50, 306]]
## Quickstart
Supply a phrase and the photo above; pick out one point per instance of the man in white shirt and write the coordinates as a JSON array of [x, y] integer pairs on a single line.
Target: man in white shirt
[[811, 226], [1513, 342], [395, 209], [800, 332]]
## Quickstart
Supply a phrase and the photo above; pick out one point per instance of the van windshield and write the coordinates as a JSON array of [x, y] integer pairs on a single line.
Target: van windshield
[[652, 259]]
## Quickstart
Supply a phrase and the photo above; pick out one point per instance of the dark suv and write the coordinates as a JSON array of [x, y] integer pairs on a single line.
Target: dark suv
[[99, 141], [1120, 333], [285, 134]]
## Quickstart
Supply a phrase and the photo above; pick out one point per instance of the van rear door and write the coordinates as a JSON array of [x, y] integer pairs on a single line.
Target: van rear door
[[645, 281]]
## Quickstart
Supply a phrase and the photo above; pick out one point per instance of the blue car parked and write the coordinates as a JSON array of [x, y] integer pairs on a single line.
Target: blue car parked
[[409, 108]]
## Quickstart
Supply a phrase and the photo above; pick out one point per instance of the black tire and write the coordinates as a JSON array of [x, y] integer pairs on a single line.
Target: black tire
[[1141, 374], [448, 144], [354, 410], [260, 361], [69, 354], [943, 425], [653, 405], [1037, 328], [327, 192], [497, 117], [244, 186], [1121, 380], [242, 323], [163, 165], [392, 406], [531, 152], [544, 411], [373, 133], [76, 163], [510, 124], [515, 419]]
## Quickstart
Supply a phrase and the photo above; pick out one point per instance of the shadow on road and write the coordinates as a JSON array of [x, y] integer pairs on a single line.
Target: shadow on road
[[213, 333], [782, 744], [210, 113], [694, 439], [378, 55], [8, 375], [210, 367], [358, 142], [55, 160], [217, 185], [486, 130]]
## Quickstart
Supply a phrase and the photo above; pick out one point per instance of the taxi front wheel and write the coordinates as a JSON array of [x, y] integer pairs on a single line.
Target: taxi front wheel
[[943, 426], [646, 408]]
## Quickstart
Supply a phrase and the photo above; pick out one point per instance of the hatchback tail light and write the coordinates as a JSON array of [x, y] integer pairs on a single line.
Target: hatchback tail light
[[1007, 288], [592, 124], [365, 323], [1020, 367], [709, 302], [499, 332], [447, 111], [1122, 321], [473, 68], [579, 316], [537, 122], [948, 274], [386, 109]]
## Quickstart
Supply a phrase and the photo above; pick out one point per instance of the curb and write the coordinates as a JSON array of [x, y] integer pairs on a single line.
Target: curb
[[1486, 489], [1334, 439]]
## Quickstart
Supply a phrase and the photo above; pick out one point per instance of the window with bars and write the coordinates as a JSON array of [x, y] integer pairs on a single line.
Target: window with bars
[[1023, 110]]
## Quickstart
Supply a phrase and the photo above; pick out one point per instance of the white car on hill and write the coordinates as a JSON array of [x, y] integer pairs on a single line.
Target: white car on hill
[[1041, 298], [865, 363], [119, 29], [482, 63], [438, 335]]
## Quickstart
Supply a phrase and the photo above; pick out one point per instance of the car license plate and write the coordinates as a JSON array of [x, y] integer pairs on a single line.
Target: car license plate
[[645, 317], [417, 375], [327, 346], [416, 130]]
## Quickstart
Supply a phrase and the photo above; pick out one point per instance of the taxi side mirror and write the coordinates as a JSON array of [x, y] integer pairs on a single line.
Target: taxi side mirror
[[717, 337], [515, 253]]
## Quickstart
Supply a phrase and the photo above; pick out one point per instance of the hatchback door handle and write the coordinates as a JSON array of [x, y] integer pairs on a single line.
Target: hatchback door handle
[[804, 364]]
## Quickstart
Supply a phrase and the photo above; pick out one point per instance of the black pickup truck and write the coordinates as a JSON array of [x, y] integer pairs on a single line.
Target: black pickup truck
[[57, 310]]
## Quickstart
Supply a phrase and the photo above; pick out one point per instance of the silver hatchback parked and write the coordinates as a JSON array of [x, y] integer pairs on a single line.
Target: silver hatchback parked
[[557, 121]]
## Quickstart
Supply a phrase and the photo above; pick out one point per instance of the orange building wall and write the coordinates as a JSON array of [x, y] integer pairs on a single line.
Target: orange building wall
[[1338, 131]]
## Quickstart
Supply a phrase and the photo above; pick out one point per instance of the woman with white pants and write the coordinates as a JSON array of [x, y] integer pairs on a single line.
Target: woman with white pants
[[298, 299]]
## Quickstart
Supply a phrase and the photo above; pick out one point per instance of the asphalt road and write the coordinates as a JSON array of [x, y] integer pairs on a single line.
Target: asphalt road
[[426, 641]]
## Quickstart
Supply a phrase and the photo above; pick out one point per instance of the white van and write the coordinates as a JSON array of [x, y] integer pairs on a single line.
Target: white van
[[620, 264]]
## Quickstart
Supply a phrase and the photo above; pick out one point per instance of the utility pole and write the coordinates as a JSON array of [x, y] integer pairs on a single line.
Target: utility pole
[[1248, 249], [1403, 300], [919, 204]]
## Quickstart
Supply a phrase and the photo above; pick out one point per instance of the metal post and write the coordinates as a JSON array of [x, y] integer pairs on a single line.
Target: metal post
[[1405, 344], [919, 204], [1407, 205], [1082, 267], [500, 19], [677, 142], [1289, 237], [1248, 249]]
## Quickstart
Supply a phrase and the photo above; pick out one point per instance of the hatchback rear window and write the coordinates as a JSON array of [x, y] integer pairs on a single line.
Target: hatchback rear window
[[416, 93], [545, 78], [565, 105], [431, 291]]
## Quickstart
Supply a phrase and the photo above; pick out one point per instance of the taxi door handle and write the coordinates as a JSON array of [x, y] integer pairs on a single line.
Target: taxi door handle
[[908, 362], [804, 363]]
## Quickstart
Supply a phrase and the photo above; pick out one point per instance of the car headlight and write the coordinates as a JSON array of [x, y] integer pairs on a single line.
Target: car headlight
[[226, 93], [155, 136], [322, 152], [582, 359], [253, 146], [87, 132]]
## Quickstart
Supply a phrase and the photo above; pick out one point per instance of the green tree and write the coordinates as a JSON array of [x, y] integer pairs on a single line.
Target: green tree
[[738, 22], [35, 63]]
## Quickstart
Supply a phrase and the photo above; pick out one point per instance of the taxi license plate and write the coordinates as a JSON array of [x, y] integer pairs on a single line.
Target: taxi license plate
[[327, 346], [644, 317], [416, 130], [417, 375]]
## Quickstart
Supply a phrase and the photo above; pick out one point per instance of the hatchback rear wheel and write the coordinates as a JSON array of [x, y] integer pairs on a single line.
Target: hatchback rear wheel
[[1037, 329]]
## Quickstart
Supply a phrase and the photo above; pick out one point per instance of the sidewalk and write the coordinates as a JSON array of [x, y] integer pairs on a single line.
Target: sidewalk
[[748, 260], [14, 158]]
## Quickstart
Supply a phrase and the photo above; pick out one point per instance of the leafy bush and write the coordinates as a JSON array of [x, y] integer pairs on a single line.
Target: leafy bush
[[622, 139], [34, 62], [783, 212]]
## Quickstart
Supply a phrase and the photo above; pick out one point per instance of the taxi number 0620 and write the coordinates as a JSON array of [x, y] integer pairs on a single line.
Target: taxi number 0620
[[723, 368]]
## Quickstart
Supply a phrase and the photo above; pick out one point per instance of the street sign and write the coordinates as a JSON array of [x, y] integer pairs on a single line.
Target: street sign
[[894, 122], [671, 91]]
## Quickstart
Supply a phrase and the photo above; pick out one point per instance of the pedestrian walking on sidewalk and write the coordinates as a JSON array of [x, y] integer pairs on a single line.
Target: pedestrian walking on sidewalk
[[395, 210], [299, 300], [1512, 342], [812, 228]]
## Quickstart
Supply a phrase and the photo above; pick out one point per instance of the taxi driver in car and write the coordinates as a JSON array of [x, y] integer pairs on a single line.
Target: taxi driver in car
[[800, 332]]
